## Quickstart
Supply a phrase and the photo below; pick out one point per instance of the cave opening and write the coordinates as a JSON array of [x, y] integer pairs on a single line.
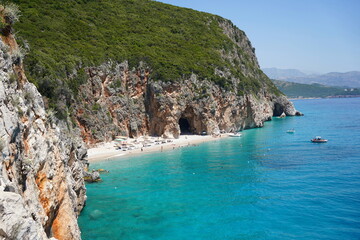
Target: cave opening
[[184, 126], [278, 110]]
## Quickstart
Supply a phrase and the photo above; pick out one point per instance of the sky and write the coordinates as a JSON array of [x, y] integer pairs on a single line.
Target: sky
[[315, 36]]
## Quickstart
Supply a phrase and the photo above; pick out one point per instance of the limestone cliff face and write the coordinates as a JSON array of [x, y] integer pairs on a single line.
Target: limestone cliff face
[[41, 163], [117, 100]]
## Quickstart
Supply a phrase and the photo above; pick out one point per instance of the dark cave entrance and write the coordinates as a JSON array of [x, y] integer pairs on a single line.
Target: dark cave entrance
[[278, 110], [184, 126]]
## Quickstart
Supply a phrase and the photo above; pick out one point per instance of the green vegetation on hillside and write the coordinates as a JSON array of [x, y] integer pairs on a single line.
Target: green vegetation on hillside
[[68, 35], [72, 34], [64, 37], [296, 90]]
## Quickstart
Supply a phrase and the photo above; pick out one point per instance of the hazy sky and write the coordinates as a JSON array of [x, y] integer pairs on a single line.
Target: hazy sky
[[311, 35]]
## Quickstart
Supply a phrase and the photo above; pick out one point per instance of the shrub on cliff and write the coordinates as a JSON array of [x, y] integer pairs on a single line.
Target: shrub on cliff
[[18, 55], [10, 12]]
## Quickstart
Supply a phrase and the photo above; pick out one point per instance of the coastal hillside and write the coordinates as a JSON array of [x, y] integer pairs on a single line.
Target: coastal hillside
[[65, 37], [138, 67], [75, 72], [315, 90], [346, 79], [42, 159]]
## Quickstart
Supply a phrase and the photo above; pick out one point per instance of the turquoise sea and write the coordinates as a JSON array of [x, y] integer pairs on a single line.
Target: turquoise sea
[[268, 184]]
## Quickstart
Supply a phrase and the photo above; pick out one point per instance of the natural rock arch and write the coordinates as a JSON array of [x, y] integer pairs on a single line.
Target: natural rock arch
[[278, 110]]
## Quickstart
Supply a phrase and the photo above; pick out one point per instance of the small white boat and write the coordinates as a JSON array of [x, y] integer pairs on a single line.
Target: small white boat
[[291, 131], [235, 134], [318, 139]]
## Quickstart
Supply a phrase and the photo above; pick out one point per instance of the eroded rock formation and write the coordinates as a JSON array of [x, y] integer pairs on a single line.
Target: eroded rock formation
[[117, 100], [42, 189]]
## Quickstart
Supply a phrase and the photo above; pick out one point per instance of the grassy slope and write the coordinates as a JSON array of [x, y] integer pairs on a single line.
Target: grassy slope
[[172, 40], [72, 34], [292, 89]]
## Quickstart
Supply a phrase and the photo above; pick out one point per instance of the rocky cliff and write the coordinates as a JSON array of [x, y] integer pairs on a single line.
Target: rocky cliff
[[117, 100], [41, 163], [140, 67]]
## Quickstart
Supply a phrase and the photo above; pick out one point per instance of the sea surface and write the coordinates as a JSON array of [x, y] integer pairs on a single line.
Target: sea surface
[[268, 184]]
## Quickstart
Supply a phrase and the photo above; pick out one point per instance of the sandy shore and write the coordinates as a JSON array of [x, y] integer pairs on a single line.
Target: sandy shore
[[108, 151]]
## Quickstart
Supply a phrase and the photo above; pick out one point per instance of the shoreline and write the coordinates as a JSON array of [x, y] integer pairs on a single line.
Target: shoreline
[[107, 151], [328, 97]]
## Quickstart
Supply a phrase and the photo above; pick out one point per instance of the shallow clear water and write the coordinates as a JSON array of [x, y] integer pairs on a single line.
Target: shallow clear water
[[268, 184]]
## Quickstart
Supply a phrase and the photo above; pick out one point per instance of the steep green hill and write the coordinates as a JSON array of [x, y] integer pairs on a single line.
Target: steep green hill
[[66, 36], [316, 90]]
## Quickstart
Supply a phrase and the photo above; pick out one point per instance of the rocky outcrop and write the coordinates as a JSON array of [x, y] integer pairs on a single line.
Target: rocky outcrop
[[16, 221], [112, 103], [92, 177], [240, 40], [41, 163], [119, 101]]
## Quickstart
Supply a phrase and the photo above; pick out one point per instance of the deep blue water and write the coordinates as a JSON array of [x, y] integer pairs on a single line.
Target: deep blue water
[[268, 184]]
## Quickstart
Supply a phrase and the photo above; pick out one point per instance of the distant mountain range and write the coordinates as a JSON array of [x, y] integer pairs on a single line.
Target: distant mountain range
[[347, 79], [314, 90]]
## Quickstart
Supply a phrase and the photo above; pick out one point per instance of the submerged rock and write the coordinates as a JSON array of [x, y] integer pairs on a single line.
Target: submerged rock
[[91, 177], [96, 214]]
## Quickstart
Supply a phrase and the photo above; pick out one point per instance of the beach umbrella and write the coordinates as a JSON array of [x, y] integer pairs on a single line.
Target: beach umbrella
[[121, 137], [119, 140]]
